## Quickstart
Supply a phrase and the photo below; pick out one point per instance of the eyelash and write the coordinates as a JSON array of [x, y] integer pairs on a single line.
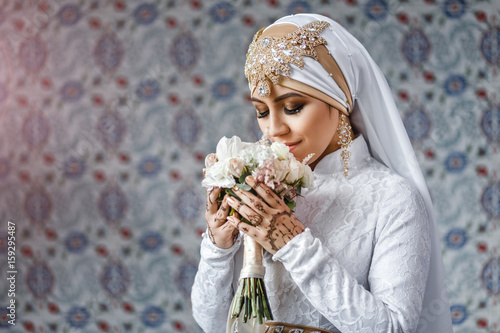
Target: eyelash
[[287, 111]]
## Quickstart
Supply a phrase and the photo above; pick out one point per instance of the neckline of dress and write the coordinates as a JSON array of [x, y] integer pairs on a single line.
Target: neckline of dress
[[333, 164]]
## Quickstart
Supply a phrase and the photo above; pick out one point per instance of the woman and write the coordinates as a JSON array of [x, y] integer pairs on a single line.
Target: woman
[[361, 251]]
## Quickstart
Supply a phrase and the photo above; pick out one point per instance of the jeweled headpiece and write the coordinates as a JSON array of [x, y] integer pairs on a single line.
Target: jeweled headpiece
[[270, 57]]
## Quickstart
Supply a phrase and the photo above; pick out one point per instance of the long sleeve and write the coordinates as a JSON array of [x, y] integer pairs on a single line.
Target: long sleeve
[[390, 299], [212, 290]]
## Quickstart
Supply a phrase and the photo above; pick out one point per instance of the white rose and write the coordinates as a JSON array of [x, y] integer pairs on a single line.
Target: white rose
[[210, 160], [218, 175], [296, 171], [236, 166], [280, 169], [307, 178], [228, 148], [281, 150]]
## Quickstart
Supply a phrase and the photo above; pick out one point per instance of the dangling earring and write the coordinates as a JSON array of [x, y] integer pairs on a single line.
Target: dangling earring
[[345, 134]]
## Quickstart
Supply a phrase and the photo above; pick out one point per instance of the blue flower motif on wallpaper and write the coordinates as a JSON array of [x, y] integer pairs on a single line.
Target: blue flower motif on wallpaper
[[4, 167], [40, 280], [458, 314], [222, 12], [76, 242], [109, 53], [223, 89], [185, 277], [33, 54], [456, 238], [184, 51], [186, 127], [112, 204], [149, 166], [148, 90], [69, 14], [299, 7], [71, 91], [415, 47], [78, 317], [145, 13], [490, 199], [38, 205], [153, 316], [111, 129], [417, 124], [151, 241], [490, 44], [188, 203], [115, 279], [456, 162], [36, 130], [455, 85], [490, 276], [454, 8], [73, 167], [376, 9], [490, 124]]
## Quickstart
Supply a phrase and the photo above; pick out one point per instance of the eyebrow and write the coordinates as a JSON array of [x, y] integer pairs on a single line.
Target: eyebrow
[[279, 98]]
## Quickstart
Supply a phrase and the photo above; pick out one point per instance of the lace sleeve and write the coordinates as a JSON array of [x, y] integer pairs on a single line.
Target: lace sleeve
[[212, 290], [392, 298]]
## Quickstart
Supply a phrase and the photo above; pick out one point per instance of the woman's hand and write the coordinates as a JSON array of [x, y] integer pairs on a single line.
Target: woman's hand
[[272, 223], [220, 231]]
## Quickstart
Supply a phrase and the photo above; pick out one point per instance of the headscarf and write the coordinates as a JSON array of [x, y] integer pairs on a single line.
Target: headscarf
[[347, 78]]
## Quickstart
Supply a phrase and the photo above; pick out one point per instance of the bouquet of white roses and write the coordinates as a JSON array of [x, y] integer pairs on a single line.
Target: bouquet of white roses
[[270, 164]]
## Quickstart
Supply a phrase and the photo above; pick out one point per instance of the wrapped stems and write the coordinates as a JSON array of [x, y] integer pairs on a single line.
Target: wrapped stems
[[250, 300]]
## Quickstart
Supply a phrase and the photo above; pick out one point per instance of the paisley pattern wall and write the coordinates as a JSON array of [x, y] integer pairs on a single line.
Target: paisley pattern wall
[[107, 109]]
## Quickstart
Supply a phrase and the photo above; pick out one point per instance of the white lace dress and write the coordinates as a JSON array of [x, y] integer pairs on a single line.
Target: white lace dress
[[360, 266]]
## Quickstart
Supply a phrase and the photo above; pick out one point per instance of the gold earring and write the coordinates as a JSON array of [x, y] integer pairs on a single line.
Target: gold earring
[[345, 136]]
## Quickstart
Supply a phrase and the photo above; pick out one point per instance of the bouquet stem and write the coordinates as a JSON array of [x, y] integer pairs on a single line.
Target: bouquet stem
[[250, 300]]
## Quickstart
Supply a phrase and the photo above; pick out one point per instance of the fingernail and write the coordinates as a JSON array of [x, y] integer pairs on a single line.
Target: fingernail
[[235, 188], [232, 201], [249, 180], [232, 219]]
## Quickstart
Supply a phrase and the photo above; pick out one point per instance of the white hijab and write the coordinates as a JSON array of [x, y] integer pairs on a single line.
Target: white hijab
[[376, 116]]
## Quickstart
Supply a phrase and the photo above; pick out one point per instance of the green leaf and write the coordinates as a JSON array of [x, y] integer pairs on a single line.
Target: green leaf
[[243, 176], [244, 187]]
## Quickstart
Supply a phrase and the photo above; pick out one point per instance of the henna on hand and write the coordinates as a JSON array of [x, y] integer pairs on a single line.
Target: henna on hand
[[279, 233]]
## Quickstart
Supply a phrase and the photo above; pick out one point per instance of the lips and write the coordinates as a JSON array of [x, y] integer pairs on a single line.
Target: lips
[[292, 145]]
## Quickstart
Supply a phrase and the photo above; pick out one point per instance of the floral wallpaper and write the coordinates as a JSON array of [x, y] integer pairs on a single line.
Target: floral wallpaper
[[108, 108]]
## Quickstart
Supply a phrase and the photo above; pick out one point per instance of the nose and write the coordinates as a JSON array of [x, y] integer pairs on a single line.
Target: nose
[[277, 125]]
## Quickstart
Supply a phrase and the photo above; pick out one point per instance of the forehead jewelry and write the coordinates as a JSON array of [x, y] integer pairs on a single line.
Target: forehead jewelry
[[271, 57]]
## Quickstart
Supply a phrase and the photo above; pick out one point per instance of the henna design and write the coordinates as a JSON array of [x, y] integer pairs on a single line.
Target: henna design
[[211, 235], [274, 234], [241, 204], [255, 219], [260, 207]]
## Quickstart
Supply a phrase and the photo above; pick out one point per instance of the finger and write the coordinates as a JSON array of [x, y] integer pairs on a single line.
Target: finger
[[212, 195], [221, 215], [254, 202], [271, 198], [238, 205], [245, 227]]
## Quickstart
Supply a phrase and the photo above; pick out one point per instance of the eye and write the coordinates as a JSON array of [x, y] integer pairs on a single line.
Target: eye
[[293, 110], [262, 114]]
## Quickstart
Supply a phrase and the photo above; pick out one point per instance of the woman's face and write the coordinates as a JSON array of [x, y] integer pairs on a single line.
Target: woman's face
[[305, 124]]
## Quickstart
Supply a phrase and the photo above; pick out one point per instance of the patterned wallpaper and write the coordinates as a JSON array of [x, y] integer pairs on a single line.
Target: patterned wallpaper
[[107, 109]]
